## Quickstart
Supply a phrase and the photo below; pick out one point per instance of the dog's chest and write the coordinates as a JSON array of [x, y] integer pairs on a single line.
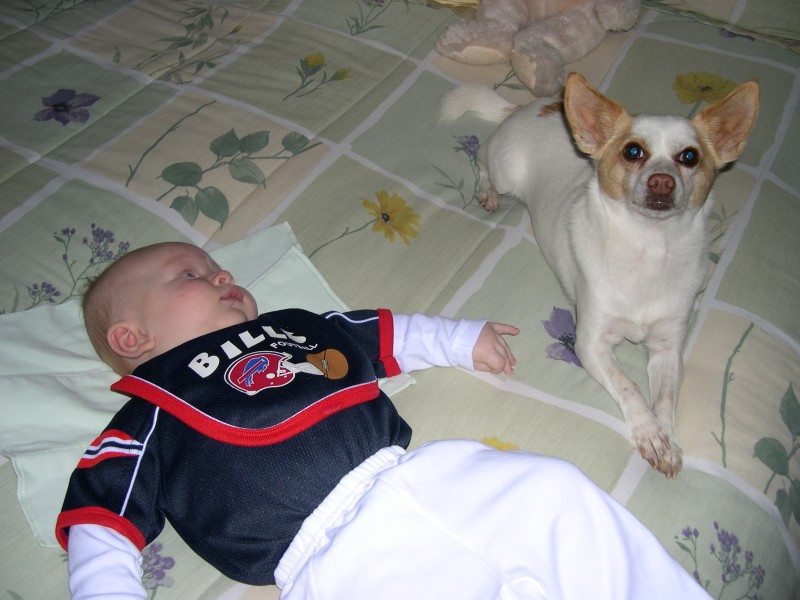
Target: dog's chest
[[644, 277]]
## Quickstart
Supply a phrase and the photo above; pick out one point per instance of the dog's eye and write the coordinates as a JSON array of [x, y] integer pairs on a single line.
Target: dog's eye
[[689, 157], [633, 152]]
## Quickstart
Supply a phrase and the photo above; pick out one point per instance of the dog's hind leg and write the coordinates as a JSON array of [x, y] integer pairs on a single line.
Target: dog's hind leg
[[488, 197]]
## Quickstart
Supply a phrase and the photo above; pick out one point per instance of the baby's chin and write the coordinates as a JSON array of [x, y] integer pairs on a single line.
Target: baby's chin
[[243, 311], [240, 317], [231, 318]]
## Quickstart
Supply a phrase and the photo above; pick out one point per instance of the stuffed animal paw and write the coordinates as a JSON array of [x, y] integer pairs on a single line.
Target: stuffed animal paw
[[477, 42], [537, 37]]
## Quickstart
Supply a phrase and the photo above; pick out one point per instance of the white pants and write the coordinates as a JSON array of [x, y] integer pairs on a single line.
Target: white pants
[[457, 520]]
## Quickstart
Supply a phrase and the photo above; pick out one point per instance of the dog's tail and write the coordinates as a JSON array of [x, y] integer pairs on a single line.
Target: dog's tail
[[486, 103]]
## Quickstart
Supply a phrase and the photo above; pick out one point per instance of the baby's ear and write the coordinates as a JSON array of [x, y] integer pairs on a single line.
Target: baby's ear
[[128, 340]]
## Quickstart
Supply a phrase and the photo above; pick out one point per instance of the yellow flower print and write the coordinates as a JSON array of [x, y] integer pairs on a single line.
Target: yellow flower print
[[695, 88], [494, 442], [340, 74], [314, 61], [392, 215], [310, 66]]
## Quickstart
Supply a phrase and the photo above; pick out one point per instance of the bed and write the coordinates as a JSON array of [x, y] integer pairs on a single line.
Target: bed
[[299, 141]]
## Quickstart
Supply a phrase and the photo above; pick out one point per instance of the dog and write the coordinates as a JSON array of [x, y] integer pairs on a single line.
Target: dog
[[619, 205]]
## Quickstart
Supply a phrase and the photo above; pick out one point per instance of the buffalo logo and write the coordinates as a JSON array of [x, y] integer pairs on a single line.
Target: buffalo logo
[[259, 371]]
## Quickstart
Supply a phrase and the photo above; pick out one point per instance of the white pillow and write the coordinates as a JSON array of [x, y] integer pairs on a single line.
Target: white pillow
[[54, 396]]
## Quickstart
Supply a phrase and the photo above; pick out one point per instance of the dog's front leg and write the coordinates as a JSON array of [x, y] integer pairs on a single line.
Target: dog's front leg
[[665, 373], [595, 349]]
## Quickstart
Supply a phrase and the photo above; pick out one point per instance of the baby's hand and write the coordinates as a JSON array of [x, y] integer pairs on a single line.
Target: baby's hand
[[491, 352]]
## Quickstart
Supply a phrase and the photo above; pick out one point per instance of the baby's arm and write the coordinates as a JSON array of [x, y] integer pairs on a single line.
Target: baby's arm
[[422, 341], [103, 564]]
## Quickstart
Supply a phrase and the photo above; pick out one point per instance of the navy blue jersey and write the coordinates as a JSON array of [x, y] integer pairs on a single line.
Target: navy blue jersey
[[237, 436]]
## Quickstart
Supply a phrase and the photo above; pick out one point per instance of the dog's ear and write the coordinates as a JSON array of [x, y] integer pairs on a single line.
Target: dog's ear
[[592, 117], [727, 123]]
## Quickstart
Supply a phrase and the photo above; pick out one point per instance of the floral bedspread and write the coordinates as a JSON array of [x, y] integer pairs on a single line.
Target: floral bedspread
[[127, 122]]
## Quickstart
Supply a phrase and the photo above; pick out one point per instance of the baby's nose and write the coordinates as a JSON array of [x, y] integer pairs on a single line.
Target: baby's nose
[[223, 278]]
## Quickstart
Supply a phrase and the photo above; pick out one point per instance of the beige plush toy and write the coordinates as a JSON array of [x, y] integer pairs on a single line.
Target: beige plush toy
[[538, 37]]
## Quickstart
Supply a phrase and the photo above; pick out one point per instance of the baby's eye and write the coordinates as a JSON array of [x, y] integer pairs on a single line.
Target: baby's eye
[[633, 152], [189, 275]]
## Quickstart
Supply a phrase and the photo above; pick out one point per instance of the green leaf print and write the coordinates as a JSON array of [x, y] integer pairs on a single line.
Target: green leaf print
[[186, 208], [239, 155], [773, 454], [254, 142], [790, 412], [212, 203], [777, 457], [294, 142], [183, 174], [225, 145], [246, 171]]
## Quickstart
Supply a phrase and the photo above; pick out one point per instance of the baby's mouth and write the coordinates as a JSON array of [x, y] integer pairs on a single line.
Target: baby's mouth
[[234, 294]]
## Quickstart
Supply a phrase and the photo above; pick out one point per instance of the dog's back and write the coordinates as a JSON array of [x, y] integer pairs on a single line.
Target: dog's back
[[531, 157]]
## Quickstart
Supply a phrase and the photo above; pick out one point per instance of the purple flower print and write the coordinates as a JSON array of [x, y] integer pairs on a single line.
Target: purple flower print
[[468, 144], [561, 326], [65, 106], [81, 264], [728, 556], [100, 252], [46, 292], [154, 568], [100, 246], [747, 577]]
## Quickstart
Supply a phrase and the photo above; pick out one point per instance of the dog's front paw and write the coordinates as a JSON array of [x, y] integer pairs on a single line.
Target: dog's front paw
[[671, 462], [663, 454]]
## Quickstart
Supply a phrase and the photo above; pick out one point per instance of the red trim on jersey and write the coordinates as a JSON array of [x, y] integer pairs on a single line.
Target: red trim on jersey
[[241, 436], [386, 334], [94, 515], [110, 444]]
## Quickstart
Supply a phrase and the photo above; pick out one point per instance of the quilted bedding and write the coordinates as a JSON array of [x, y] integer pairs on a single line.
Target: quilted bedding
[[127, 122]]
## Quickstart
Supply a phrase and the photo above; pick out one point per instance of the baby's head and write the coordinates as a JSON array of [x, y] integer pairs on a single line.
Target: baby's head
[[158, 297]]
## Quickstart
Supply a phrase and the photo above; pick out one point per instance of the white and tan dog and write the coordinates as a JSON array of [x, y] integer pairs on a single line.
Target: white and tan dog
[[621, 219]]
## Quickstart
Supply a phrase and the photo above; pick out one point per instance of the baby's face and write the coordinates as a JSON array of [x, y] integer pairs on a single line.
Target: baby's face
[[177, 293]]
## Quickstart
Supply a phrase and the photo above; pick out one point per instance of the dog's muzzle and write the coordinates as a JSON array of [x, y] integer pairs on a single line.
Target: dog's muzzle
[[659, 195]]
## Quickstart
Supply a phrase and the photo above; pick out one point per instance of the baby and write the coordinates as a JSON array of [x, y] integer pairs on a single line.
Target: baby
[[268, 445]]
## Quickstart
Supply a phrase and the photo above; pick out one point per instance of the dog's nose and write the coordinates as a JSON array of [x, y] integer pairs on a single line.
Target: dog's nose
[[661, 184]]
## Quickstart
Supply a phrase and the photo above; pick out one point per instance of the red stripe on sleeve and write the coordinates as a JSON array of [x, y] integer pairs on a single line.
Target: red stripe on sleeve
[[386, 332], [94, 515]]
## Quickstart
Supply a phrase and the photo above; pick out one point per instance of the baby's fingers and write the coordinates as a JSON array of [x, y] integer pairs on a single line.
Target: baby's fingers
[[504, 329], [496, 364], [492, 353]]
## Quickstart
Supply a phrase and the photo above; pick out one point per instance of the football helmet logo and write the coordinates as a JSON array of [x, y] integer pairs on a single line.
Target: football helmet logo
[[260, 370]]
